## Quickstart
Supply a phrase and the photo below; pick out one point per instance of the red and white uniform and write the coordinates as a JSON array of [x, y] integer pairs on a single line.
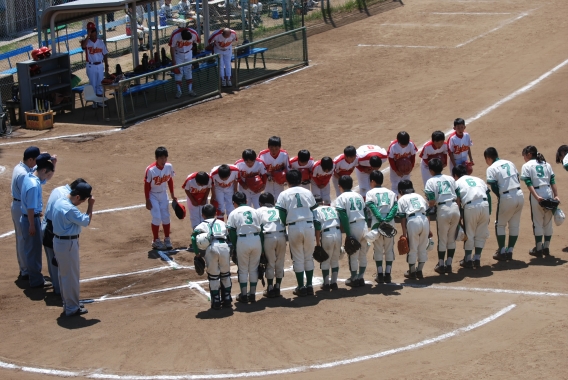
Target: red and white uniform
[[341, 167], [245, 172], [429, 152], [224, 190], [306, 170], [321, 178], [156, 183], [364, 154], [223, 47], [183, 52], [199, 193], [274, 164], [94, 54], [396, 152], [459, 147]]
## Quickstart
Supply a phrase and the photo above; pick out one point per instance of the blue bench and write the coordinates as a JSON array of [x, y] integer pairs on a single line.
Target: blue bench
[[245, 55], [143, 88], [65, 39], [13, 53], [78, 90]]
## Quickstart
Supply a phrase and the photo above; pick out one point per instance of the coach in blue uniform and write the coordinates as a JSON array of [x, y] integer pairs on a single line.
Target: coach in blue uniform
[[25, 167], [31, 207], [47, 231], [67, 222]]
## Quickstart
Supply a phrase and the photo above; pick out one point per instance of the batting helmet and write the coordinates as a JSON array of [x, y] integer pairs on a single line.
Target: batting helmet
[[46, 52], [441, 156], [202, 241], [559, 217], [469, 167], [37, 54], [279, 177], [254, 183], [305, 174], [35, 70], [178, 209], [404, 165], [91, 25]]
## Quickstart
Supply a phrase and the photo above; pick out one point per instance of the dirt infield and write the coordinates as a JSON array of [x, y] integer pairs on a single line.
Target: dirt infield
[[418, 67]]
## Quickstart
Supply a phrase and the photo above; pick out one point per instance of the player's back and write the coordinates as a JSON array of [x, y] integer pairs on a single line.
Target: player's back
[[297, 202], [412, 203], [470, 189], [540, 173], [270, 219], [326, 216], [353, 204], [215, 227], [245, 220], [441, 188], [505, 174], [383, 199]]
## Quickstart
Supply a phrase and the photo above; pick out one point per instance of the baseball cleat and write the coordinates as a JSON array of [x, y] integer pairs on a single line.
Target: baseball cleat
[[192, 93], [545, 252], [477, 263], [466, 264], [223, 83], [300, 292], [352, 283], [409, 275], [440, 269], [168, 243], [268, 293], [229, 83], [388, 278], [80, 311], [361, 282], [380, 279], [310, 290], [326, 287], [333, 286], [535, 253], [419, 275], [276, 292], [157, 244], [448, 269], [46, 284], [216, 302], [228, 300], [500, 256], [178, 94], [252, 298], [243, 298]]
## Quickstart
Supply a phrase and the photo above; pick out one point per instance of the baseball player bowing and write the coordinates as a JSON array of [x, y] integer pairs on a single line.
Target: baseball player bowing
[[369, 158], [222, 41], [539, 178], [350, 207], [295, 206], [304, 163], [562, 156], [475, 199], [503, 177], [328, 236], [181, 44], [415, 226], [322, 171], [274, 243], [95, 54], [344, 164], [440, 192], [383, 206], [277, 163], [158, 179], [435, 148], [224, 180], [400, 150], [217, 256], [252, 176], [197, 187], [244, 232]]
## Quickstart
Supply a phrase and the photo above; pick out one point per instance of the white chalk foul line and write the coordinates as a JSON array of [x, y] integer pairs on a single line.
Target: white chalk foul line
[[484, 290], [61, 137], [493, 30], [406, 46], [169, 260], [248, 374]]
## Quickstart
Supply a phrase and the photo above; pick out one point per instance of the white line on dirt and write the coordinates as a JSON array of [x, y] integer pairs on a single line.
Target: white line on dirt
[[169, 260], [493, 30], [414, 346], [61, 137], [471, 13], [2, 169], [407, 46], [124, 274]]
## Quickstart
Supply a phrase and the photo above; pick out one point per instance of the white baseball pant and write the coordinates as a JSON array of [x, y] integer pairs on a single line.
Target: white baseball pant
[[20, 253], [275, 251], [425, 173], [509, 211], [383, 247], [160, 208], [335, 182], [395, 180], [359, 258], [67, 253], [49, 255], [418, 229], [364, 182], [458, 162], [447, 220], [195, 216], [541, 218], [252, 198], [324, 193], [331, 243], [302, 240], [218, 260], [476, 223], [224, 62], [225, 200], [96, 73], [185, 71], [249, 249], [274, 188]]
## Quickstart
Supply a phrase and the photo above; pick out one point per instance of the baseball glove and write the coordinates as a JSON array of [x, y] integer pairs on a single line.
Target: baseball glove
[[262, 268], [431, 213], [549, 204], [320, 255], [403, 245], [234, 255], [179, 210], [387, 230], [199, 264], [351, 245]]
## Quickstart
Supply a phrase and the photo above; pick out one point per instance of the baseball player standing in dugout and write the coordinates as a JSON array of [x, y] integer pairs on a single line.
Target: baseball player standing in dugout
[[96, 53], [222, 40], [181, 45]]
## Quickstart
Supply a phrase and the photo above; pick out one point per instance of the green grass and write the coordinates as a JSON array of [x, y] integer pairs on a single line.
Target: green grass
[[5, 48]]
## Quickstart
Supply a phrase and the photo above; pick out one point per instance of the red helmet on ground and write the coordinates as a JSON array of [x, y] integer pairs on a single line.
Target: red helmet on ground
[[91, 25], [45, 51], [37, 54]]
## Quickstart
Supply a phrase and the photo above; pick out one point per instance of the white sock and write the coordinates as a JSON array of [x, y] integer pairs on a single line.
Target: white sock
[[326, 280], [252, 290], [510, 250], [546, 244], [389, 267], [503, 250], [539, 246], [270, 287], [190, 86], [420, 266], [334, 277], [178, 87], [380, 269], [440, 262], [476, 257], [449, 261]]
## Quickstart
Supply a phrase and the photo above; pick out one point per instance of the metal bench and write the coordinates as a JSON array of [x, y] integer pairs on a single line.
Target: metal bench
[[245, 55], [143, 88], [65, 39], [13, 53]]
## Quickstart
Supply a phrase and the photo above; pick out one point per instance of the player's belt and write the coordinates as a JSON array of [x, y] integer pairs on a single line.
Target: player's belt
[[184, 52], [330, 229], [16, 200], [355, 221], [219, 241], [273, 232], [507, 192], [307, 221], [446, 202], [415, 214], [95, 63], [245, 235], [475, 200], [536, 187], [69, 237], [35, 215]]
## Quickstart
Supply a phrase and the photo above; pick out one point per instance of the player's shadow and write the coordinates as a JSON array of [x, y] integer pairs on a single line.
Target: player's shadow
[[52, 299], [215, 314], [35, 294], [547, 261], [455, 276], [22, 284], [500, 266], [77, 322], [565, 249]]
